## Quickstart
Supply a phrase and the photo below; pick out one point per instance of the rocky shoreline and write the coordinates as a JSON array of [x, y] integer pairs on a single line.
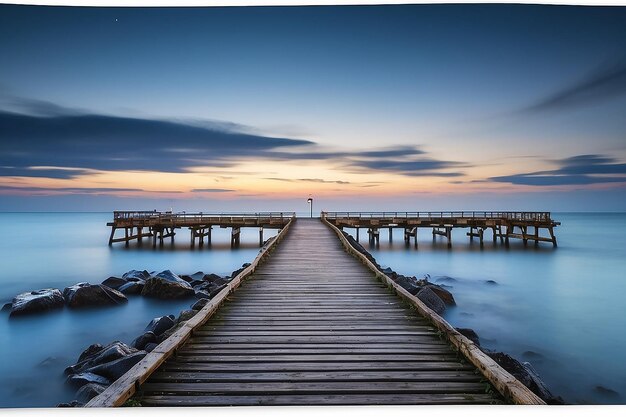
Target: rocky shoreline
[[438, 298]]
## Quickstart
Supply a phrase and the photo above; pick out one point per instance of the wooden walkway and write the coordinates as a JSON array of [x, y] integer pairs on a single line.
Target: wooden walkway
[[312, 326]]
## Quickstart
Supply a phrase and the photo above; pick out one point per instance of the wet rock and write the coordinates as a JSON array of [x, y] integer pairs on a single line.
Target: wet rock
[[198, 276], [209, 289], [194, 283], [87, 295], [134, 275], [150, 347], [170, 331], [159, 325], [167, 285], [91, 351], [114, 282], [78, 380], [6, 307], [527, 375], [198, 305], [606, 392], [186, 315], [356, 245], [115, 369], [445, 295], [111, 352], [491, 282], [132, 288], [141, 341], [470, 334], [70, 404], [36, 301], [408, 283], [89, 391], [390, 273], [532, 355], [448, 280], [432, 300], [50, 362], [211, 277], [202, 295]]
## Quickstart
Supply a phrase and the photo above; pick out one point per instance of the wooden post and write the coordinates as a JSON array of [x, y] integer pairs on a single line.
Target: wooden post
[[415, 237], [481, 232], [161, 237], [126, 235], [139, 234], [495, 236], [261, 236], [172, 235], [390, 234], [536, 235], [201, 237], [471, 234], [449, 236], [551, 230], [357, 233], [524, 230], [208, 236], [192, 232], [154, 237], [509, 229], [113, 228], [234, 237]]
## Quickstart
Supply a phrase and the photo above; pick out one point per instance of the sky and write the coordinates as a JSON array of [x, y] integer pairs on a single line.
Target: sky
[[395, 107]]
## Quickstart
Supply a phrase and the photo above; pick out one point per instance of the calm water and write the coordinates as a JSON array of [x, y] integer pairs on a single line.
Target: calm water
[[567, 304], [60, 249]]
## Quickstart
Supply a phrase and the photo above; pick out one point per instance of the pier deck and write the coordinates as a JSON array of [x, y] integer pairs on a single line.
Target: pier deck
[[503, 224], [311, 325]]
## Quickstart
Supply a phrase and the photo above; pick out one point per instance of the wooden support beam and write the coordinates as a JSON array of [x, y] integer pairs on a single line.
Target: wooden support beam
[[126, 235], [551, 230], [374, 235], [261, 236], [113, 228], [235, 236]]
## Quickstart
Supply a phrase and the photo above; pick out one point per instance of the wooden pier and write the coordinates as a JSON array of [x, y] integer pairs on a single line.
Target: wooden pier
[[504, 225], [158, 226], [313, 325]]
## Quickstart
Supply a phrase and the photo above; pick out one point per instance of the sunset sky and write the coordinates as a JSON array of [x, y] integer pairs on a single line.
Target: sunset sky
[[389, 107]]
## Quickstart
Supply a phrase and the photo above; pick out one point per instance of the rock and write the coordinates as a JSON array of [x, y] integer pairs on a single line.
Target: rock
[[115, 369], [7, 307], [78, 380], [408, 283], [91, 351], [167, 285], [36, 301], [87, 295], [202, 295], [491, 282], [89, 391], [211, 277], [209, 289], [445, 295], [50, 361], [159, 325], [141, 341], [526, 375], [150, 347], [446, 279], [470, 334], [390, 273], [186, 315], [111, 352], [245, 265], [132, 288], [134, 275], [194, 283], [198, 305], [606, 392], [114, 282], [529, 354], [432, 300], [70, 404], [198, 276], [170, 331]]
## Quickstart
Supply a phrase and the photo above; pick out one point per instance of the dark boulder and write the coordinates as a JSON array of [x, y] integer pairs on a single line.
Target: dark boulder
[[527, 375], [186, 315], [88, 295], [167, 285], [78, 380], [447, 280], [89, 391], [408, 283], [91, 351], [211, 277], [36, 301], [356, 245], [491, 282], [432, 300], [114, 282], [209, 289], [141, 341], [445, 295], [71, 404], [134, 275], [198, 305], [132, 288], [7, 307], [194, 283], [115, 369], [170, 331], [150, 347], [111, 352], [159, 325], [202, 295], [470, 334]]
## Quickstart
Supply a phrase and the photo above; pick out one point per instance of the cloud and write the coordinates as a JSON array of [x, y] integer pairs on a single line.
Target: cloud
[[576, 170], [605, 83], [316, 180], [211, 190], [71, 190], [43, 139]]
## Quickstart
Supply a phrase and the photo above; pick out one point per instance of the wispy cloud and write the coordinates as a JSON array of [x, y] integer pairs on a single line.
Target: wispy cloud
[[605, 83], [211, 190], [315, 180], [576, 170]]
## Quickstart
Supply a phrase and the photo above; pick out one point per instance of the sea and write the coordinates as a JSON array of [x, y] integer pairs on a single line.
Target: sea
[[561, 309]]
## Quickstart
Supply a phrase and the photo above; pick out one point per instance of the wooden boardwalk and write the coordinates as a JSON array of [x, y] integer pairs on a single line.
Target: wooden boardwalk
[[312, 326]]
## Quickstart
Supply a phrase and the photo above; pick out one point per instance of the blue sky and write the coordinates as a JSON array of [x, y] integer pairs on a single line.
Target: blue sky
[[385, 106]]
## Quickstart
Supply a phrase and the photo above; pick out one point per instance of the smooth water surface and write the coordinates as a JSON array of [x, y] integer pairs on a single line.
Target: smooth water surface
[[562, 309], [43, 250]]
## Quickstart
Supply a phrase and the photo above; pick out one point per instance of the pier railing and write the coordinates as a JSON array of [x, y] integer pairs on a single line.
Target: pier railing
[[198, 217], [508, 215]]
